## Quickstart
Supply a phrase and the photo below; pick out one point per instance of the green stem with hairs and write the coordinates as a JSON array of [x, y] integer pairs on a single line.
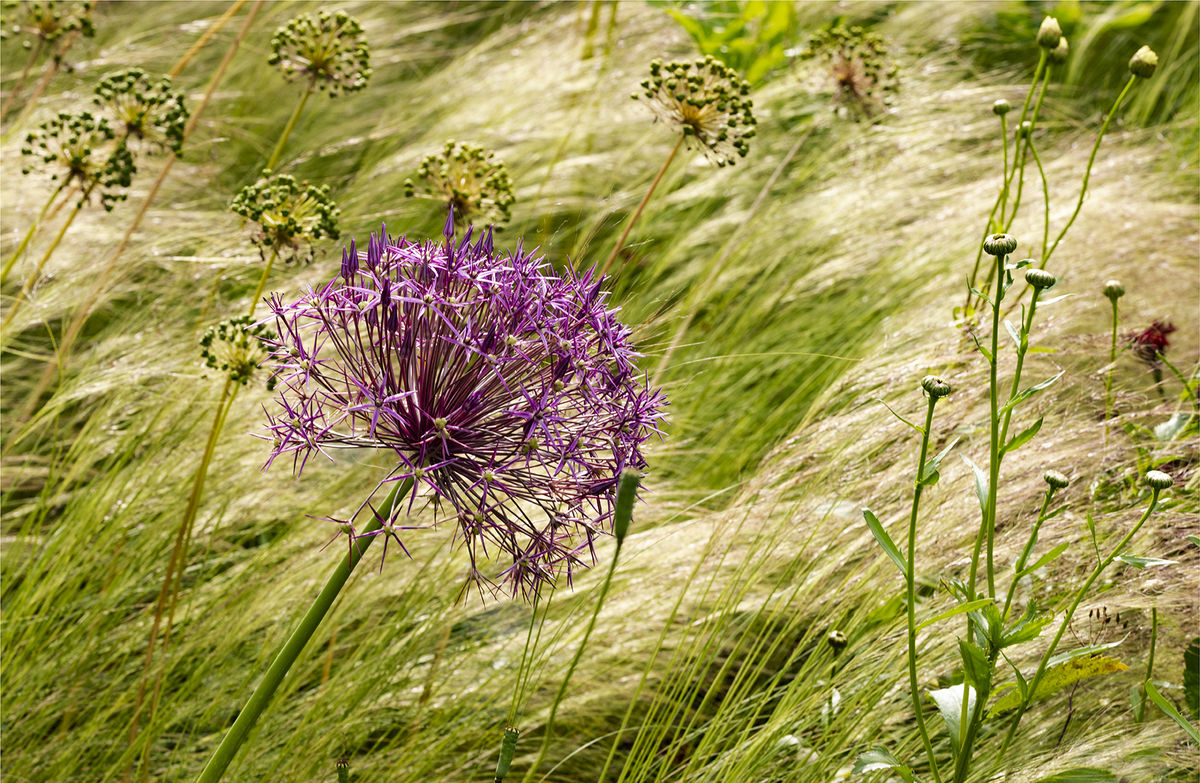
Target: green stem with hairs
[[1087, 172], [291, 649], [910, 578], [1031, 693], [32, 230], [640, 207], [626, 494], [291, 124]]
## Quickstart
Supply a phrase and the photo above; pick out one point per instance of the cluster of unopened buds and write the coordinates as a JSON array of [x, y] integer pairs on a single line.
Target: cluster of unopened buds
[[47, 21], [144, 108], [235, 347], [81, 149], [864, 76], [329, 50], [288, 215], [707, 102], [467, 178]]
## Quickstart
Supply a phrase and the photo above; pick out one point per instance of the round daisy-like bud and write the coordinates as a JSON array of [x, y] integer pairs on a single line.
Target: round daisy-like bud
[[470, 180], [1058, 55], [289, 215], [1049, 33], [1024, 129], [706, 102], [1056, 480], [1000, 244], [1001, 107], [935, 387], [330, 50], [1156, 479], [1114, 290], [837, 640], [1143, 63], [1040, 279]]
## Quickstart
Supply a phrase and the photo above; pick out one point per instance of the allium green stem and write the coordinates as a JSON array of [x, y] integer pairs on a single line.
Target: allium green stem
[[640, 207], [626, 494], [262, 280], [291, 650], [911, 585], [1087, 172], [32, 230], [37, 270], [1066, 622], [291, 124]]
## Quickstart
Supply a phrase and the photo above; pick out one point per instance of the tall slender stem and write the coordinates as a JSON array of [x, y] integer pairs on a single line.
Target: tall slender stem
[[20, 85], [1019, 566], [262, 280], [37, 270], [987, 528], [910, 578], [1045, 203], [291, 649], [291, 124], [638, 212], [32, 230]]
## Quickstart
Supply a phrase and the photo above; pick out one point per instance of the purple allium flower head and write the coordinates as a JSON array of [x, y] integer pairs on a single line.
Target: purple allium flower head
[[506, 391]]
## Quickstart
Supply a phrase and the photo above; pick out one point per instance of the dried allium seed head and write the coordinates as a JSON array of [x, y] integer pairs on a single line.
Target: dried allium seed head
[[1049, 33], [1156, 479], [235, 347], [863, 75], [1040, 279], [1000, 244], [468, 179], [1143, 63], [47, 20], [288, 216], [707, 102], [1114, 290], [519, 442], [1058, 55], [1056, 480], [82, 148], [144, 109], [935, 387], [330, 51], [1001, 107]]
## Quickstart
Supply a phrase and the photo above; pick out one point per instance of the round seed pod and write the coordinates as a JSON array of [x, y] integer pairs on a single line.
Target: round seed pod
[[1001, 107], [1049, 33], [935, 387], [1114, 290], [1143, 63]]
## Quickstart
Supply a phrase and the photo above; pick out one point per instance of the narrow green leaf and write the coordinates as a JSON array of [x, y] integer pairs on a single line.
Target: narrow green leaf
[[878, 758], [981, 482], [986, 353], [976, 670], [1027, 628], [1023, 437], [901, 418], [1143, 562], [1043, 560], [931, 467], [1191, 677], [1194, 540], [1053, 299], [885, 541], [1095, 648], [1169, 708], [1081, 775], [1028, 392], [1012, 332], [960, 609], [1137, 700]]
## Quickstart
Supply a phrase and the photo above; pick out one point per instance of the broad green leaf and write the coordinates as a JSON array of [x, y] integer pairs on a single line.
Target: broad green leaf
[[1191, 677], [981, 482], [1194, 540], [1143, 562], [879, 758], [976, 670], [1169, 708], [1064, 675], [885, 541], [1170, 429], [1081, 775], [960, 609], [1023, 437], [1043, 560], [1027, 628], [949, 702], [1028, 392]]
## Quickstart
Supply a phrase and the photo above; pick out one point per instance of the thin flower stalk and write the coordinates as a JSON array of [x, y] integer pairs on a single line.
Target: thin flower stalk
[[33, 229], [1027, 550], [277, 152], [637, 213], [292, 648]]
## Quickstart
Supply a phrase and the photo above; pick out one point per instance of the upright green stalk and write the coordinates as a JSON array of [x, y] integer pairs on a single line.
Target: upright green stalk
[[640, 207], [291, 649], [37, 270], [291, 124], [626, 494], [32, 230], [20, 85], [1019, 566]]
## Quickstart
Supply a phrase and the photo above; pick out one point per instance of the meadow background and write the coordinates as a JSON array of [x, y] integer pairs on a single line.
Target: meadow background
[[814, 289]]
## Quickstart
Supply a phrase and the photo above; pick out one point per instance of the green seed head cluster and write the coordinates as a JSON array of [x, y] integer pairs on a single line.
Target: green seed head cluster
[[288, 215], [707, 101], [468, 178], [46, 21], [147, 110], [330, 50], [863, 74], [235, 348], [81, 148]]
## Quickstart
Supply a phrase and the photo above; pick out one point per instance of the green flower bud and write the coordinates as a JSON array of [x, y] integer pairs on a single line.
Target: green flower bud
[[1024, 130], [1049, 33], [1143, 63], [999, 244], [1001, 107], [1040, 279], [1056, 480], [1058, 54], [1114, 290], [1156, 479], [837, 640], [935, 387]]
